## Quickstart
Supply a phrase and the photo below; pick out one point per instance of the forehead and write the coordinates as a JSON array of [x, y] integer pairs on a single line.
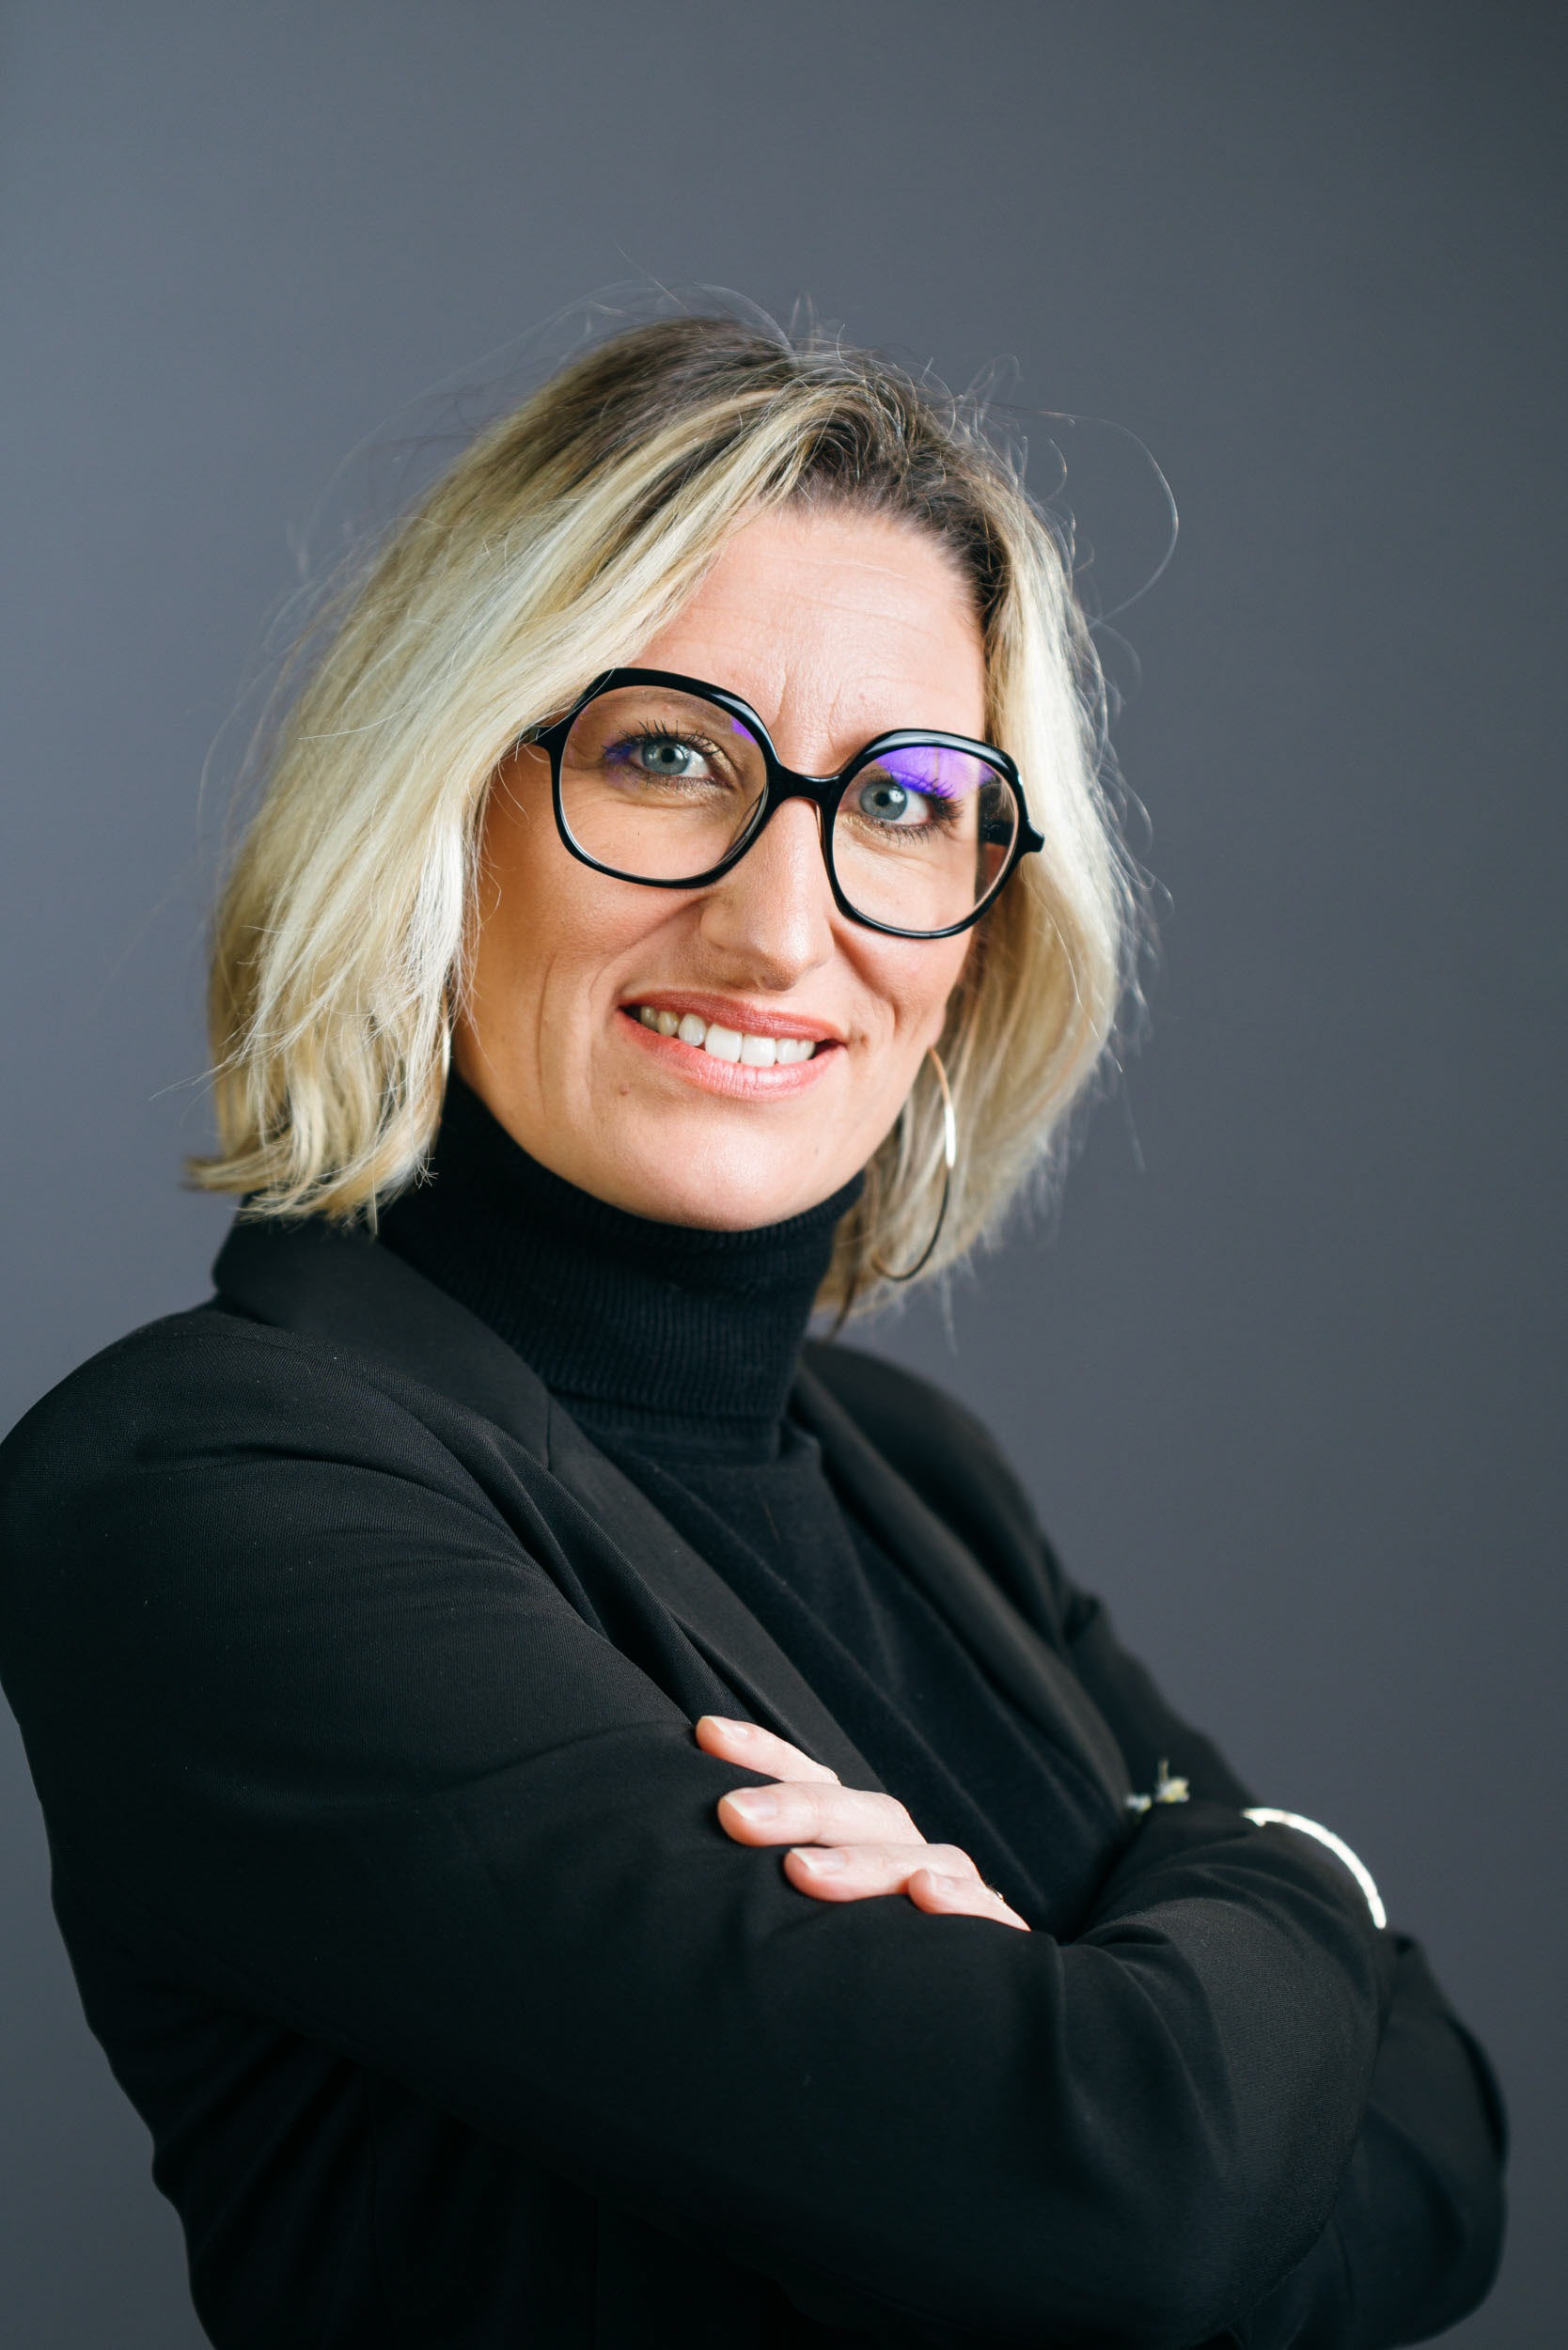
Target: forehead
[[835, 626]]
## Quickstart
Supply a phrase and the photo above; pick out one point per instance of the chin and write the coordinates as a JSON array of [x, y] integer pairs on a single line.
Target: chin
[[723, 1189]]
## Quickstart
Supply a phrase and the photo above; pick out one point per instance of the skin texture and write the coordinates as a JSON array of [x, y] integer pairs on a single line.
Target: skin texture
[[835, 627]]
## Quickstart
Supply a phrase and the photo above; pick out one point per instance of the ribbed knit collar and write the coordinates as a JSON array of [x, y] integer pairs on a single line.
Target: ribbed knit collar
[[643, 1329]]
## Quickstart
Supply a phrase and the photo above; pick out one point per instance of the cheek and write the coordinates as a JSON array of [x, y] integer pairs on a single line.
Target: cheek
[[549, 933], [914, 983], [529, 895]]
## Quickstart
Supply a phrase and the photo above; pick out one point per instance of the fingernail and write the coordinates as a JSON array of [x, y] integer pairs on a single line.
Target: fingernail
[[731, 1730], [942, 1884], [819, 1859], [755, 1803]]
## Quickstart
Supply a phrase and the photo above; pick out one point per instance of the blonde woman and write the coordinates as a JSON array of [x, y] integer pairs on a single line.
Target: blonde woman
[[580, 1817]]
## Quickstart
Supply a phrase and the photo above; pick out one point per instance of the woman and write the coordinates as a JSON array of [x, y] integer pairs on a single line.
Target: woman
[[578, 1818]]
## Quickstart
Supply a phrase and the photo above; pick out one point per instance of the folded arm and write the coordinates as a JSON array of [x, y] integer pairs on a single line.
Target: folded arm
[[1416, 2231], [320, 1721]]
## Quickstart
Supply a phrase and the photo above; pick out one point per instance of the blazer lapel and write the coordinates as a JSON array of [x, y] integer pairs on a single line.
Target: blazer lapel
[[1018, 1660], [716, 1622], [337, 1285]]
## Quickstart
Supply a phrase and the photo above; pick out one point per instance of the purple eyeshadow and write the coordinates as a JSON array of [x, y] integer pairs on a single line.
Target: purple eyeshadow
[[934, 773]]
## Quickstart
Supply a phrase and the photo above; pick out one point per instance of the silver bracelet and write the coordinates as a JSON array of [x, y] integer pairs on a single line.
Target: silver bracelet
[[1337, 1846]]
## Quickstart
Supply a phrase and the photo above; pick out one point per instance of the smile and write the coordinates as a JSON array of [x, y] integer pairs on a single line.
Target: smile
[[729, 1044], [725, 1045]]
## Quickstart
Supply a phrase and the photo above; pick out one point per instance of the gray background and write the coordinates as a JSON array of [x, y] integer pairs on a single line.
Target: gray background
[[1285, 1373]]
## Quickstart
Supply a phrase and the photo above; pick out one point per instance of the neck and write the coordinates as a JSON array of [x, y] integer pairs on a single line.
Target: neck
[[664, 1333]]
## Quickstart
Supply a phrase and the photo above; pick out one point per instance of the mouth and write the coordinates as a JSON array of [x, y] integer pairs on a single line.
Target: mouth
[[741, 1046], [718, 1036]]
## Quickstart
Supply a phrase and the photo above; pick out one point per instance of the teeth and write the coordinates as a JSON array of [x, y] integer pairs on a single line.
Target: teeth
[[753, 1052]]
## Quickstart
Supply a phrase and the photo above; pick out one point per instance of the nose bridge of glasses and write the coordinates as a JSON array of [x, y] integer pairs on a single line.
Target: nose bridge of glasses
[[775, 897], [795, 783], [784, 790], [786, 785]]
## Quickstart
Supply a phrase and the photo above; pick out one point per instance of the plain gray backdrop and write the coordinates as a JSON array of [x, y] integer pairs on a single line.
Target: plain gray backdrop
[[1285, 1374]]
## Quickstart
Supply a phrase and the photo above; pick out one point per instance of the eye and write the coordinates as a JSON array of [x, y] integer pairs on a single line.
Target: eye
[[888, 802], [668, 757]]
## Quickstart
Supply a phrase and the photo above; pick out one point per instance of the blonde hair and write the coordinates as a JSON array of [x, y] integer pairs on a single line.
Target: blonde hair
[[552, 549]]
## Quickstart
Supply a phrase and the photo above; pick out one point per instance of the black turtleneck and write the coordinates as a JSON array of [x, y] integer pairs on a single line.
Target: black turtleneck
[[676, 1349], [687, 1338]]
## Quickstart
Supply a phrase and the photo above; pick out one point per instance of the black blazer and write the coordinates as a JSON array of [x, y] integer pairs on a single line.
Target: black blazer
[[357, 1686]]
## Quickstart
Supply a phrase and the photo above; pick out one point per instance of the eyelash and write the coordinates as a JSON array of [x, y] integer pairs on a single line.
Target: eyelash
[[649, 734]]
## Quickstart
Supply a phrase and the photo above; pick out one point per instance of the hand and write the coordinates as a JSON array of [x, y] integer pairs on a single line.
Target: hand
[[845, 1843]]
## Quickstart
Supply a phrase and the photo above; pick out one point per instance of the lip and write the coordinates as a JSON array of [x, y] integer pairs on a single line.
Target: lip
[[730, 1011], [733, 1081]]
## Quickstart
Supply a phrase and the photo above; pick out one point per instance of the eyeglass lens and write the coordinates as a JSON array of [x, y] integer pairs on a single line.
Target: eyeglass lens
[[661, 785]]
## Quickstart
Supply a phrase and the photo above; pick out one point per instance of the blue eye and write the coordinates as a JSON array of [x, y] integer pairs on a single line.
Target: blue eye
[[665, 757], [888, 802], [657, 756]]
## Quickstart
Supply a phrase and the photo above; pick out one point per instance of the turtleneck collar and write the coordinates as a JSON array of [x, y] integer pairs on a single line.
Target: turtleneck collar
[[644, 1329]]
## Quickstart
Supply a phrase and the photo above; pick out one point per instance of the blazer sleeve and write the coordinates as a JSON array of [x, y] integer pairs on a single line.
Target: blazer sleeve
[[324, 1732], [1415, 2234]]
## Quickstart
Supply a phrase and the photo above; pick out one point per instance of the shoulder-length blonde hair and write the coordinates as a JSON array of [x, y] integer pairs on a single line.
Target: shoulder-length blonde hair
[[554, 549]]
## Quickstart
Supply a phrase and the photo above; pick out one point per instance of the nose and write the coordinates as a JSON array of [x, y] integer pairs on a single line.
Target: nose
[[770, 915]]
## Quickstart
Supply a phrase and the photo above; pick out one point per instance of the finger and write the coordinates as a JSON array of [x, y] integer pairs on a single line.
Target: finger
[[758, 1749], [961, 1897], [797, 1812], [858, 1873]]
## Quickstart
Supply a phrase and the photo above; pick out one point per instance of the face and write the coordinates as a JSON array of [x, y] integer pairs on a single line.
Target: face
[[835, 627]]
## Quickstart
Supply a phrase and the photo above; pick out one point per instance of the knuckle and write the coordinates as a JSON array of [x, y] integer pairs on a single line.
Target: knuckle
[[895, 1820]]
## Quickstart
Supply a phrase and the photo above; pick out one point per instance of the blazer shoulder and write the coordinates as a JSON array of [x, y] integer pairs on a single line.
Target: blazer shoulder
[[206, 1475], [194, 1385]]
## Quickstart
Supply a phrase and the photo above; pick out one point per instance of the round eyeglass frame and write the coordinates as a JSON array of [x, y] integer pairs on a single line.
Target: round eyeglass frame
[[785, 783]]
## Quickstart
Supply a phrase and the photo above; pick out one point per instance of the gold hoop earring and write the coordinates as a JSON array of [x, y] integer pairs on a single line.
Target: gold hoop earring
[[950, 1160]]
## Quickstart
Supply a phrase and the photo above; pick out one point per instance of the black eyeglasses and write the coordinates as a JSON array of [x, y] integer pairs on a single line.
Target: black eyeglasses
[[665, 780]]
